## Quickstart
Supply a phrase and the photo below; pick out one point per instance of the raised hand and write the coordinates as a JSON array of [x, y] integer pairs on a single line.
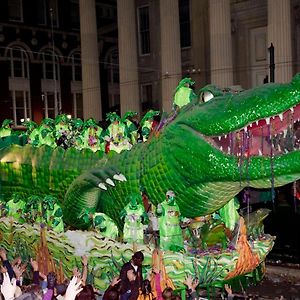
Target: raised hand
[[84, 260], [188, 281], [34, 264], [73, 289], [8, 288], [3, 254], [19, 270], [115, 281], [76, 272]]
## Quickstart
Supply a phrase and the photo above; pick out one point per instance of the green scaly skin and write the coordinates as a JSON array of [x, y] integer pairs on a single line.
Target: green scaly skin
[[182, 157]]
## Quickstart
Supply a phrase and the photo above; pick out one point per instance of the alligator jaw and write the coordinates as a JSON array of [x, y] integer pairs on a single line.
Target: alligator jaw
[[270, 136]]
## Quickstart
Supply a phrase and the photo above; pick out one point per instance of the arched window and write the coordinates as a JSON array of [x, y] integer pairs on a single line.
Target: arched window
[[19, 84], [50, 65], [76, 66], [51, 83], [76, 85], [19, 62]]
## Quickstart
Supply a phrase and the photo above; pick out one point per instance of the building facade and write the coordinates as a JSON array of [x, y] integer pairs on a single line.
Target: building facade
[[88, 57]]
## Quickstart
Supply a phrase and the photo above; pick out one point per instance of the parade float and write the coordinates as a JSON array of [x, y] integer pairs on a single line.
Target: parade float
[[206, 153]]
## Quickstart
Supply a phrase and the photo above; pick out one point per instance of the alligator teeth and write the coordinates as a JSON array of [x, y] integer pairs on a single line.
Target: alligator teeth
[[259, 152], [245, 129], [292, 109], [268, 121], [219, 138], [286, 151], [221, 148], [279, 148], [228, 150], [280, 117], [284, 133], [256, 122], [225, 136], [110, 182], [251, 125], [102, 186]]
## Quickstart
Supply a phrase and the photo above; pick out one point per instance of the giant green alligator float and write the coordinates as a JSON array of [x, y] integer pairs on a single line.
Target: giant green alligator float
[[206, 154]]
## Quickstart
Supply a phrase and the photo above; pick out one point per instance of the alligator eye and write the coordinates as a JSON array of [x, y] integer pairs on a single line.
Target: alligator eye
[[206, 96]]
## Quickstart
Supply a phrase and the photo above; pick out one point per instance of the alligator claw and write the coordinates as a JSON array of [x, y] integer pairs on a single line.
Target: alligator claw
[[110, 182], [102, 186], [117, 177], [122, 177]]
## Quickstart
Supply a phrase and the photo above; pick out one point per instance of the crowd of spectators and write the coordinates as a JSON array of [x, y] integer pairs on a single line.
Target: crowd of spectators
[[129, 285]]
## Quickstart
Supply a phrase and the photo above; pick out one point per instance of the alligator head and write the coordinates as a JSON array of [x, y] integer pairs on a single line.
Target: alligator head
[[235, 140]]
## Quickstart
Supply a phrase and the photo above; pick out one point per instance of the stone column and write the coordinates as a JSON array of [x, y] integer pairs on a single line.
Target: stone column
[[220, 43], [170, 51], [92, 107], [279, 33], [199, 37], [128, 61]]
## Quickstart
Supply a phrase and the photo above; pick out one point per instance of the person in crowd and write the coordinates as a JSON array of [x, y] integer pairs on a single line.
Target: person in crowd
[[167, 294], [159, 278], [134, 278], [146, 291], [114, 290]]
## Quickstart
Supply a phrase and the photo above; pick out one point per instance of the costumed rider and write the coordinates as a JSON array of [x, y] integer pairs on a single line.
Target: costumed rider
[[105, 225], [46, 133], [77, 139], [148, 124], [184, 94], [52, 214], [33, 210], [5, 129], [116, 134], [131, 126], [169, 224], [92, 136], [134, 216], [15, 208], [62, 132], [32, 132], [229, 213]]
